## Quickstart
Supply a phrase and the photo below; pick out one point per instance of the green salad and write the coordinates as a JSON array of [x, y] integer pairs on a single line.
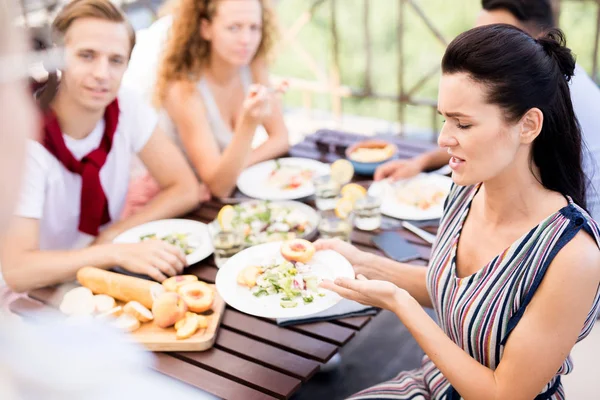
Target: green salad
[[294, 282], [264, 221], [177, 239]]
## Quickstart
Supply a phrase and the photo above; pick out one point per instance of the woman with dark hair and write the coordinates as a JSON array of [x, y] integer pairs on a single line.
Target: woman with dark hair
[[515, 269]]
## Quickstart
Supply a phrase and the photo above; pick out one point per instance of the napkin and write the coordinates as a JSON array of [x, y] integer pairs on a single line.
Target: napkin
[[344, 309]]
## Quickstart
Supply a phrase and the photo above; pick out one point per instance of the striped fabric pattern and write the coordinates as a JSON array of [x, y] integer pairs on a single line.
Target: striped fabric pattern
[[476, 311]]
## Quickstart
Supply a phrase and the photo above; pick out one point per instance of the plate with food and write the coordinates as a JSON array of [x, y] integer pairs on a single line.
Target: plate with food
[[281, 179], [263, 221], [281, 279], [192, 237], [419, 198]]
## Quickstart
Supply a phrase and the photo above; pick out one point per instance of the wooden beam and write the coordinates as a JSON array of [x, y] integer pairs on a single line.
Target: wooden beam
[[336, 100], [368, 54], [400, 40]]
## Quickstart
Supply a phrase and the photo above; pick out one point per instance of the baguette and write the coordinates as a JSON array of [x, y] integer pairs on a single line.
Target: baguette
[[121, 287]]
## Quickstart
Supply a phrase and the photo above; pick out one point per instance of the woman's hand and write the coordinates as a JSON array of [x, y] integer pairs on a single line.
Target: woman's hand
[[256, 106], [382, 294]]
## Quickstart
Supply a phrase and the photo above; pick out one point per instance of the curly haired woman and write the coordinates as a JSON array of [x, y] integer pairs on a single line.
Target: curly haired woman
[[212, 86]]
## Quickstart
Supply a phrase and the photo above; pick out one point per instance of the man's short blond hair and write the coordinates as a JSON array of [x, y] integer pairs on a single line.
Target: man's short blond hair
[[100, 9]]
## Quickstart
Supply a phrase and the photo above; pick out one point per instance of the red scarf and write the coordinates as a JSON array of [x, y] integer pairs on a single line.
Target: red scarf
[[94, 204]]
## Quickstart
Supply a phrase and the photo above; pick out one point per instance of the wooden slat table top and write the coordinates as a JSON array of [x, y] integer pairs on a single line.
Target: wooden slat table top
[[254, 358], [206, 380], [243, 371]]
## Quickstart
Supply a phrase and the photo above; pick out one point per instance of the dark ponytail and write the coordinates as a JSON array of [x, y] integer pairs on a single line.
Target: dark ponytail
[[521, 73]]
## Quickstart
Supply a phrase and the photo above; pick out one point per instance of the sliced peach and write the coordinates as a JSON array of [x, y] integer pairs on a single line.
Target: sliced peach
[[300, 250], [202, 321], [188, 328], [198, 296], [248, 276], [173, 283], [180, 323]]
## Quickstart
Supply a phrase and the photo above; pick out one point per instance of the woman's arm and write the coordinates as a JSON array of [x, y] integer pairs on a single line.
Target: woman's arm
[[538, 345], [180, 190], [218, 171], [278, 142], [407, 168]]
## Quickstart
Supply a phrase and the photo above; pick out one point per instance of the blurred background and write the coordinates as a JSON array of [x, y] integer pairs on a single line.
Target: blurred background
[[367, 66]]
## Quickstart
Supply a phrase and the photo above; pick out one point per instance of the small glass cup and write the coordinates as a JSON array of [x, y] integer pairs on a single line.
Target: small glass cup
[[367, 213], [226, 243], [331, 226], [327, 191]]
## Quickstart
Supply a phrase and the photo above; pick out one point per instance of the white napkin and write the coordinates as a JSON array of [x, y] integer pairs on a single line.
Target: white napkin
[[344, 309]]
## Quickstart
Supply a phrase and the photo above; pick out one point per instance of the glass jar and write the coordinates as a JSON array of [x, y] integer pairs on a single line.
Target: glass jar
[[226, 243], [327, 192], [367, 213], [332, 226]]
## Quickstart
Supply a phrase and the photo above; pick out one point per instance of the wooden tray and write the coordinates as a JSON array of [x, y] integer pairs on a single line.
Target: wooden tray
[[158, 339], [149, 335]]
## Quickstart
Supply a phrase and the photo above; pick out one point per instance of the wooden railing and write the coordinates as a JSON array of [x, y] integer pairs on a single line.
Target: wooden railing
[[330, 82]]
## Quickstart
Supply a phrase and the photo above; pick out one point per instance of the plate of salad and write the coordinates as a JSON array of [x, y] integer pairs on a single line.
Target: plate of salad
[[263, 221], [281, 179], [192, 237], [268, 281]]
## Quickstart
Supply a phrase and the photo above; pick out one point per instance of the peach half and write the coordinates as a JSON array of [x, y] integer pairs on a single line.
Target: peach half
[[198, 296], [298, 250], [168, 308], [173, 283]]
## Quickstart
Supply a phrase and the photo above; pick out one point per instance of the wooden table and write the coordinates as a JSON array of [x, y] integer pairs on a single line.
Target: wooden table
[[253, 358]]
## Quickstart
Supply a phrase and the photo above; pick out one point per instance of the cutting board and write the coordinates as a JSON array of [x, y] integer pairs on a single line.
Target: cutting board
[[149, 335]]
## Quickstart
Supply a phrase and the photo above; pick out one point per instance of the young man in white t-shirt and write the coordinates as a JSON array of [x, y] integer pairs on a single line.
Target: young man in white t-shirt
[[56, 233], [533, 16]]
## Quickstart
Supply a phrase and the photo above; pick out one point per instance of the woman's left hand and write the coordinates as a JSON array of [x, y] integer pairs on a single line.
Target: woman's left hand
[[382, 294]]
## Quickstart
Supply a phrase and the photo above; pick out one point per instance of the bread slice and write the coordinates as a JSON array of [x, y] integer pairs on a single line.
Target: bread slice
[[138, 311]]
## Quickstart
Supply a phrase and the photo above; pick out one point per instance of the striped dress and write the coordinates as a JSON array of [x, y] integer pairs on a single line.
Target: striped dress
[[478, 312]]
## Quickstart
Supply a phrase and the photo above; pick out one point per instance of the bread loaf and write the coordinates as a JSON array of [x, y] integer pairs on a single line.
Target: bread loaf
[[121, 287]]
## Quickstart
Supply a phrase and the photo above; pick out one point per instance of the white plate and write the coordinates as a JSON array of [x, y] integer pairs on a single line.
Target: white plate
[[311, 214], [392, 207], [327, 264], [198, 235], [253, 181]]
